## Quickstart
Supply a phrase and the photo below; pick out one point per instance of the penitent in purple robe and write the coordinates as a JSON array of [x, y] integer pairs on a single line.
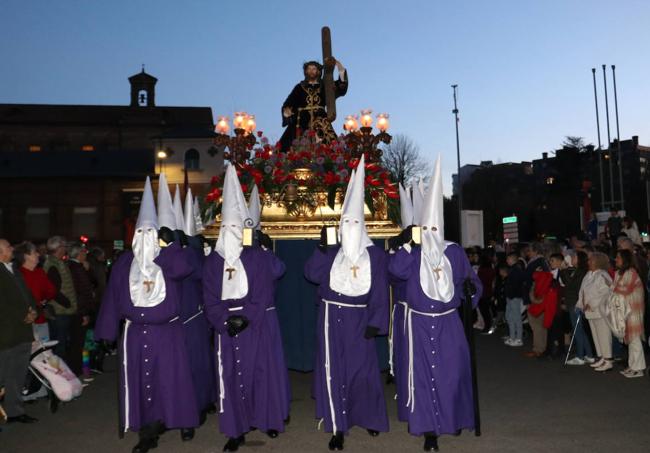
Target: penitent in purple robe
[[155, 378], [252, 373], [198, 335], [355, 395], [442, 397], [398, 346]]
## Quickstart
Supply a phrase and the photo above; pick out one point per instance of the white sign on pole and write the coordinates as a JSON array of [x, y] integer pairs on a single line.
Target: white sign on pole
[[472, 229]]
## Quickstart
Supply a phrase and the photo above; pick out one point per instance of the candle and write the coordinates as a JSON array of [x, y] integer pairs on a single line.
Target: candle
[[366, 118]]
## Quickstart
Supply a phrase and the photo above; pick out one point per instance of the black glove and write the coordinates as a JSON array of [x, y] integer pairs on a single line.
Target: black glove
[[394, 243], [371, 332], [182, 238], [166, 235], [406, 236], [236, 324], [322, 245], [265, 240]]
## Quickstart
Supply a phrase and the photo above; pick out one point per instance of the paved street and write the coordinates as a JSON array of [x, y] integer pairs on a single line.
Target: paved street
[[527, 405]]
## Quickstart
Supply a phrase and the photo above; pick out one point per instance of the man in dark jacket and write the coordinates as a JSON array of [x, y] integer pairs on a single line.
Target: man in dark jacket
[[17, 313]]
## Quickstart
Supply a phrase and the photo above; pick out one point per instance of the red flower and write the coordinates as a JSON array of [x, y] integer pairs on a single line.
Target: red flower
[[330, 178], [244, 188], [214, 195], [214, 180]]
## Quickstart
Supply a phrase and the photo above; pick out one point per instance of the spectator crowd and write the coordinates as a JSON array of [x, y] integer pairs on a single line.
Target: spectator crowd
[[582, 300]]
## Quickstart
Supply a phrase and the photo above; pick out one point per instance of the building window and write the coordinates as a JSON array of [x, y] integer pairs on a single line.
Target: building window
[[37, 223], [34, 148], [88, 148], [550, 180], [84, 221], [192, 159]]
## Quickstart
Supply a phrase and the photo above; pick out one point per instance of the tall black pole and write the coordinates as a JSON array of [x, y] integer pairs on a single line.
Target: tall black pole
[[609, 143], [603, 203], [618, 139], [460, 183]]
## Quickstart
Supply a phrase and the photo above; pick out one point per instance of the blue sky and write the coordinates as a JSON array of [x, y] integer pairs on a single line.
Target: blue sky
[[523, 67]]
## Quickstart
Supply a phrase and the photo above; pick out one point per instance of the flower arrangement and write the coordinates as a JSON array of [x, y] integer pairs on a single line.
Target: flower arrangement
[[308, 168]]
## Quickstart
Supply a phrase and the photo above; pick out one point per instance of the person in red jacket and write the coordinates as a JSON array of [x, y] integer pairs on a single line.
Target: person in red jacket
[[544, 296], [26, 256]]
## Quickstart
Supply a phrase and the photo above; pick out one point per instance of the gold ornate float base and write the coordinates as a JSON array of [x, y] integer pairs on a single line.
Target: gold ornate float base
[[306, 221]]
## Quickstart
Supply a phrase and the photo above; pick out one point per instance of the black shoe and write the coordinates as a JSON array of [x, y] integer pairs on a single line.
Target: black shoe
[[272, 433], [145, 444], [288, 420], [211, 409], [187, 434], [372, 432], [21, 419], [53, 403], [336, 442], [430, 443], [390, 379], [457, 433], [203, 416], [234, 443]]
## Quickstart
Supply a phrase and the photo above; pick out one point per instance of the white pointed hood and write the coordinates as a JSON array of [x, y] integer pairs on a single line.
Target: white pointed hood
[[166, 217], [436, 276], [350, 272], [146, 282], [234, 215], [406, 207], [418, 202], [178, 209], [254, 207], [189, 225]]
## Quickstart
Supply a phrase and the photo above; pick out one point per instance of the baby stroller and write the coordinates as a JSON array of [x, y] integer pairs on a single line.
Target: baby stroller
[[50, 377]]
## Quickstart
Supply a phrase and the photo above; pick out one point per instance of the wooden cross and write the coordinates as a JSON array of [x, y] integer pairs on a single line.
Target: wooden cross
[[328, 73], [147, 284], [354, 270], [230, 271], [437, 270]]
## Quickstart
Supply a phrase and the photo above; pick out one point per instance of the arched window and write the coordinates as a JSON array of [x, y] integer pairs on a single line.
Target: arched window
[[192, 159]]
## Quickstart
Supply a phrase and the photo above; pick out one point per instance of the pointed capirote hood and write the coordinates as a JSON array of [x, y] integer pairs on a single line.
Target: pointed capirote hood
[[166, 217], [147, 216], [234, 210], [418, 201], [189, 226], [432, 211], [198, 221], [178, 209], [254, 207], [353, 210], [406, 207]]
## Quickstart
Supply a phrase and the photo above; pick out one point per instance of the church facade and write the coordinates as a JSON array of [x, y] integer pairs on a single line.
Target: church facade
[[77, 170]]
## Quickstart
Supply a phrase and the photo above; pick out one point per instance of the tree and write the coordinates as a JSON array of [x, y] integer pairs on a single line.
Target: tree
[[402, 158], [578, 143]]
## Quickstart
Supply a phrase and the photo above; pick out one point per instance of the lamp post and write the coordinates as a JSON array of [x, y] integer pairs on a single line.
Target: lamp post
[[460, 184], [361, 140], [162, 155], [240, 144]]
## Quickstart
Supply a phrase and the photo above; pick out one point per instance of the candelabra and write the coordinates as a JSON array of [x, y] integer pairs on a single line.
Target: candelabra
[[361, 139], [240, 144]]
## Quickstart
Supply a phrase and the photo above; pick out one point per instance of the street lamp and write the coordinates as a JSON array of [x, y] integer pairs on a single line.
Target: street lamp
[[162, 155], [240, 144], [361, 139]]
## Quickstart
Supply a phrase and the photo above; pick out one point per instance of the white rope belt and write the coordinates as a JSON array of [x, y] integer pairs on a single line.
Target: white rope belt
[[411, 375], [235, 308], [222, 391], [126, 378], [328, 374], [270, 308], [193, 316]]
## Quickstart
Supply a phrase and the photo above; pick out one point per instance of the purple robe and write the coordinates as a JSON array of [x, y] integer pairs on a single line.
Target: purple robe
[[355, 395], [442, 381], [156, 383], [253, 371], [399, 352], [198, 335]]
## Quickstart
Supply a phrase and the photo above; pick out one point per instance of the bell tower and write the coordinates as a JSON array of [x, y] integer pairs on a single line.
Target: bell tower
[[143, 89]]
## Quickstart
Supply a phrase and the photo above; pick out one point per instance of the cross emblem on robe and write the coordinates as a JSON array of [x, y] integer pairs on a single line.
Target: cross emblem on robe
[[147, 284], [437, 270], [230, 271], [354, 270]]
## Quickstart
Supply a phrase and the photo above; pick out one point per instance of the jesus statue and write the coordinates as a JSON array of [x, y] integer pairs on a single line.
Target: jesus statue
[[305, 109]]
